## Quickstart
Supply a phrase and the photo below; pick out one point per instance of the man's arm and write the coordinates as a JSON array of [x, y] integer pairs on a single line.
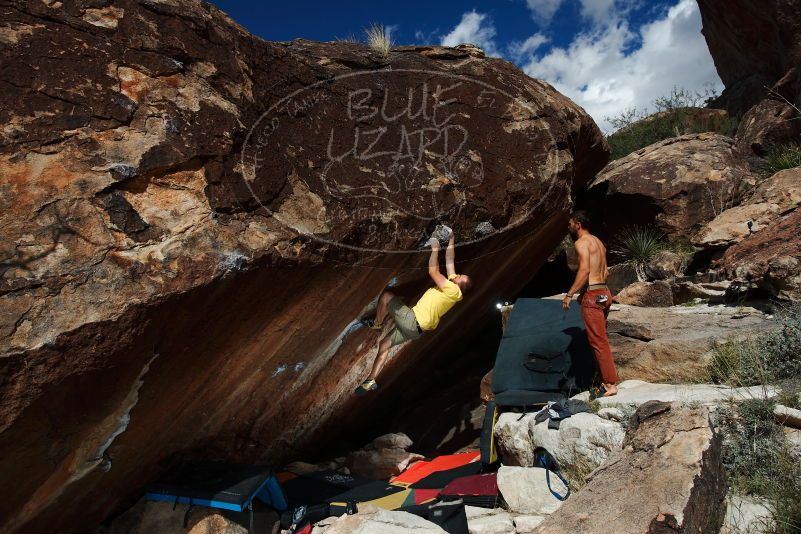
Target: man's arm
[[433, 265], [450, 258], [582, 274]]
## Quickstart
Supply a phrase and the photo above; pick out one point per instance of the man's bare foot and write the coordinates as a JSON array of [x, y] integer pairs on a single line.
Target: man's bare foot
[[611, 390]]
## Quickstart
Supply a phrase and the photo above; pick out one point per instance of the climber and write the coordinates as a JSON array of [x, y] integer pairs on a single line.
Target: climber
[[411, 323], [594, 297]]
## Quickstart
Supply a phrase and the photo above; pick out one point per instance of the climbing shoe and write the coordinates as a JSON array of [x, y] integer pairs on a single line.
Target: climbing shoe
[[367, 386]]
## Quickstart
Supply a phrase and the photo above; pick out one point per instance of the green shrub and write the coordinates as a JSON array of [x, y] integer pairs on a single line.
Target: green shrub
[[675, 114], [759, 461], [780, 157], [766, 358], [638, 245]]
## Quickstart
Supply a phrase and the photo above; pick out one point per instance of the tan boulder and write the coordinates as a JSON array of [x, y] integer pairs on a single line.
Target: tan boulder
[[525, 490], [665, 265], [735, 224], [678, 184], [782, 189], [385, 457], [668, 478], [674, 344], [374, 520], [649, 294]]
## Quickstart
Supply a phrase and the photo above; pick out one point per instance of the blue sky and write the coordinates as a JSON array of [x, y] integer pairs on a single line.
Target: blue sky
[[607, 55]]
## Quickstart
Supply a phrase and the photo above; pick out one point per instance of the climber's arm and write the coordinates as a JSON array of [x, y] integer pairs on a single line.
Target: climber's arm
[[433, 264], [450, 258]]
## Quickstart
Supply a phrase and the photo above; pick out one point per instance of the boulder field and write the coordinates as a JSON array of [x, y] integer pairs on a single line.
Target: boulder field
[[193, 221]]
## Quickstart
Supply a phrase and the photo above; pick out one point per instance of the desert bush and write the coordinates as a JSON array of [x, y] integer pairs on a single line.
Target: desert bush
[[759, 461], [675, 114], [379, 39], [765, 358], [780, 157]]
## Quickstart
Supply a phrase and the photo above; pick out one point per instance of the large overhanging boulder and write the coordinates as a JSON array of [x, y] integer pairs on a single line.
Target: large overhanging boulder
[[193, 220], [755, 44]]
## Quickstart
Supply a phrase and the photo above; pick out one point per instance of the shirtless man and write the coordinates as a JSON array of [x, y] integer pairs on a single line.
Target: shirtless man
[[411, 323], [594, 297]]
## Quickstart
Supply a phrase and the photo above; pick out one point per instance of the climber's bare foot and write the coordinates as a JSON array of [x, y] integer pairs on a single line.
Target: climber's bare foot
[[611, 390]]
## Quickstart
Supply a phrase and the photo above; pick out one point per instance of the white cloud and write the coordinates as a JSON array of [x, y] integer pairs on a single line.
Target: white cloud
[[542, 11], [474, 28], [599, 11], [521, 49], [597, 72]]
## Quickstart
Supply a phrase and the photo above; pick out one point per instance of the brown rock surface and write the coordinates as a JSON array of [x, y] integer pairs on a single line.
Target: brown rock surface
[[769, 260], [678, 184], [732, 225], [675, 344], [783, 189], [650, 294], [622, 276], [770, 122], [668, 478], [175, 267], [754, 44], [665, 265]]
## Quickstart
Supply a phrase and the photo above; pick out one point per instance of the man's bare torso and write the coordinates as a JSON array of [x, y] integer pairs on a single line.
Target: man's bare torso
[[597, 254]]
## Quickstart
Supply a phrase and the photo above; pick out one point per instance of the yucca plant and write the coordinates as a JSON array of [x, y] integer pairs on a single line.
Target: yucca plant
[[379, 39], [638, 245]]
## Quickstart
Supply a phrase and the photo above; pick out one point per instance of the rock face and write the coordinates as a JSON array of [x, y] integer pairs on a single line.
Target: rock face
[[193, 219], [651, 294], [735, 224], [621, 276], [668, 478], [776, 196], [677, 184], [584, 438], [525, 490], [782, 189], [665, 265], [753, 43], [768, 123], [769, 260], [674, 344]]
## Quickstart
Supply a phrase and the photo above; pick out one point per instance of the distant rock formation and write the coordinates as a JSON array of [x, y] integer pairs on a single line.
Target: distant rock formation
[[193, 221], [755, 44]]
